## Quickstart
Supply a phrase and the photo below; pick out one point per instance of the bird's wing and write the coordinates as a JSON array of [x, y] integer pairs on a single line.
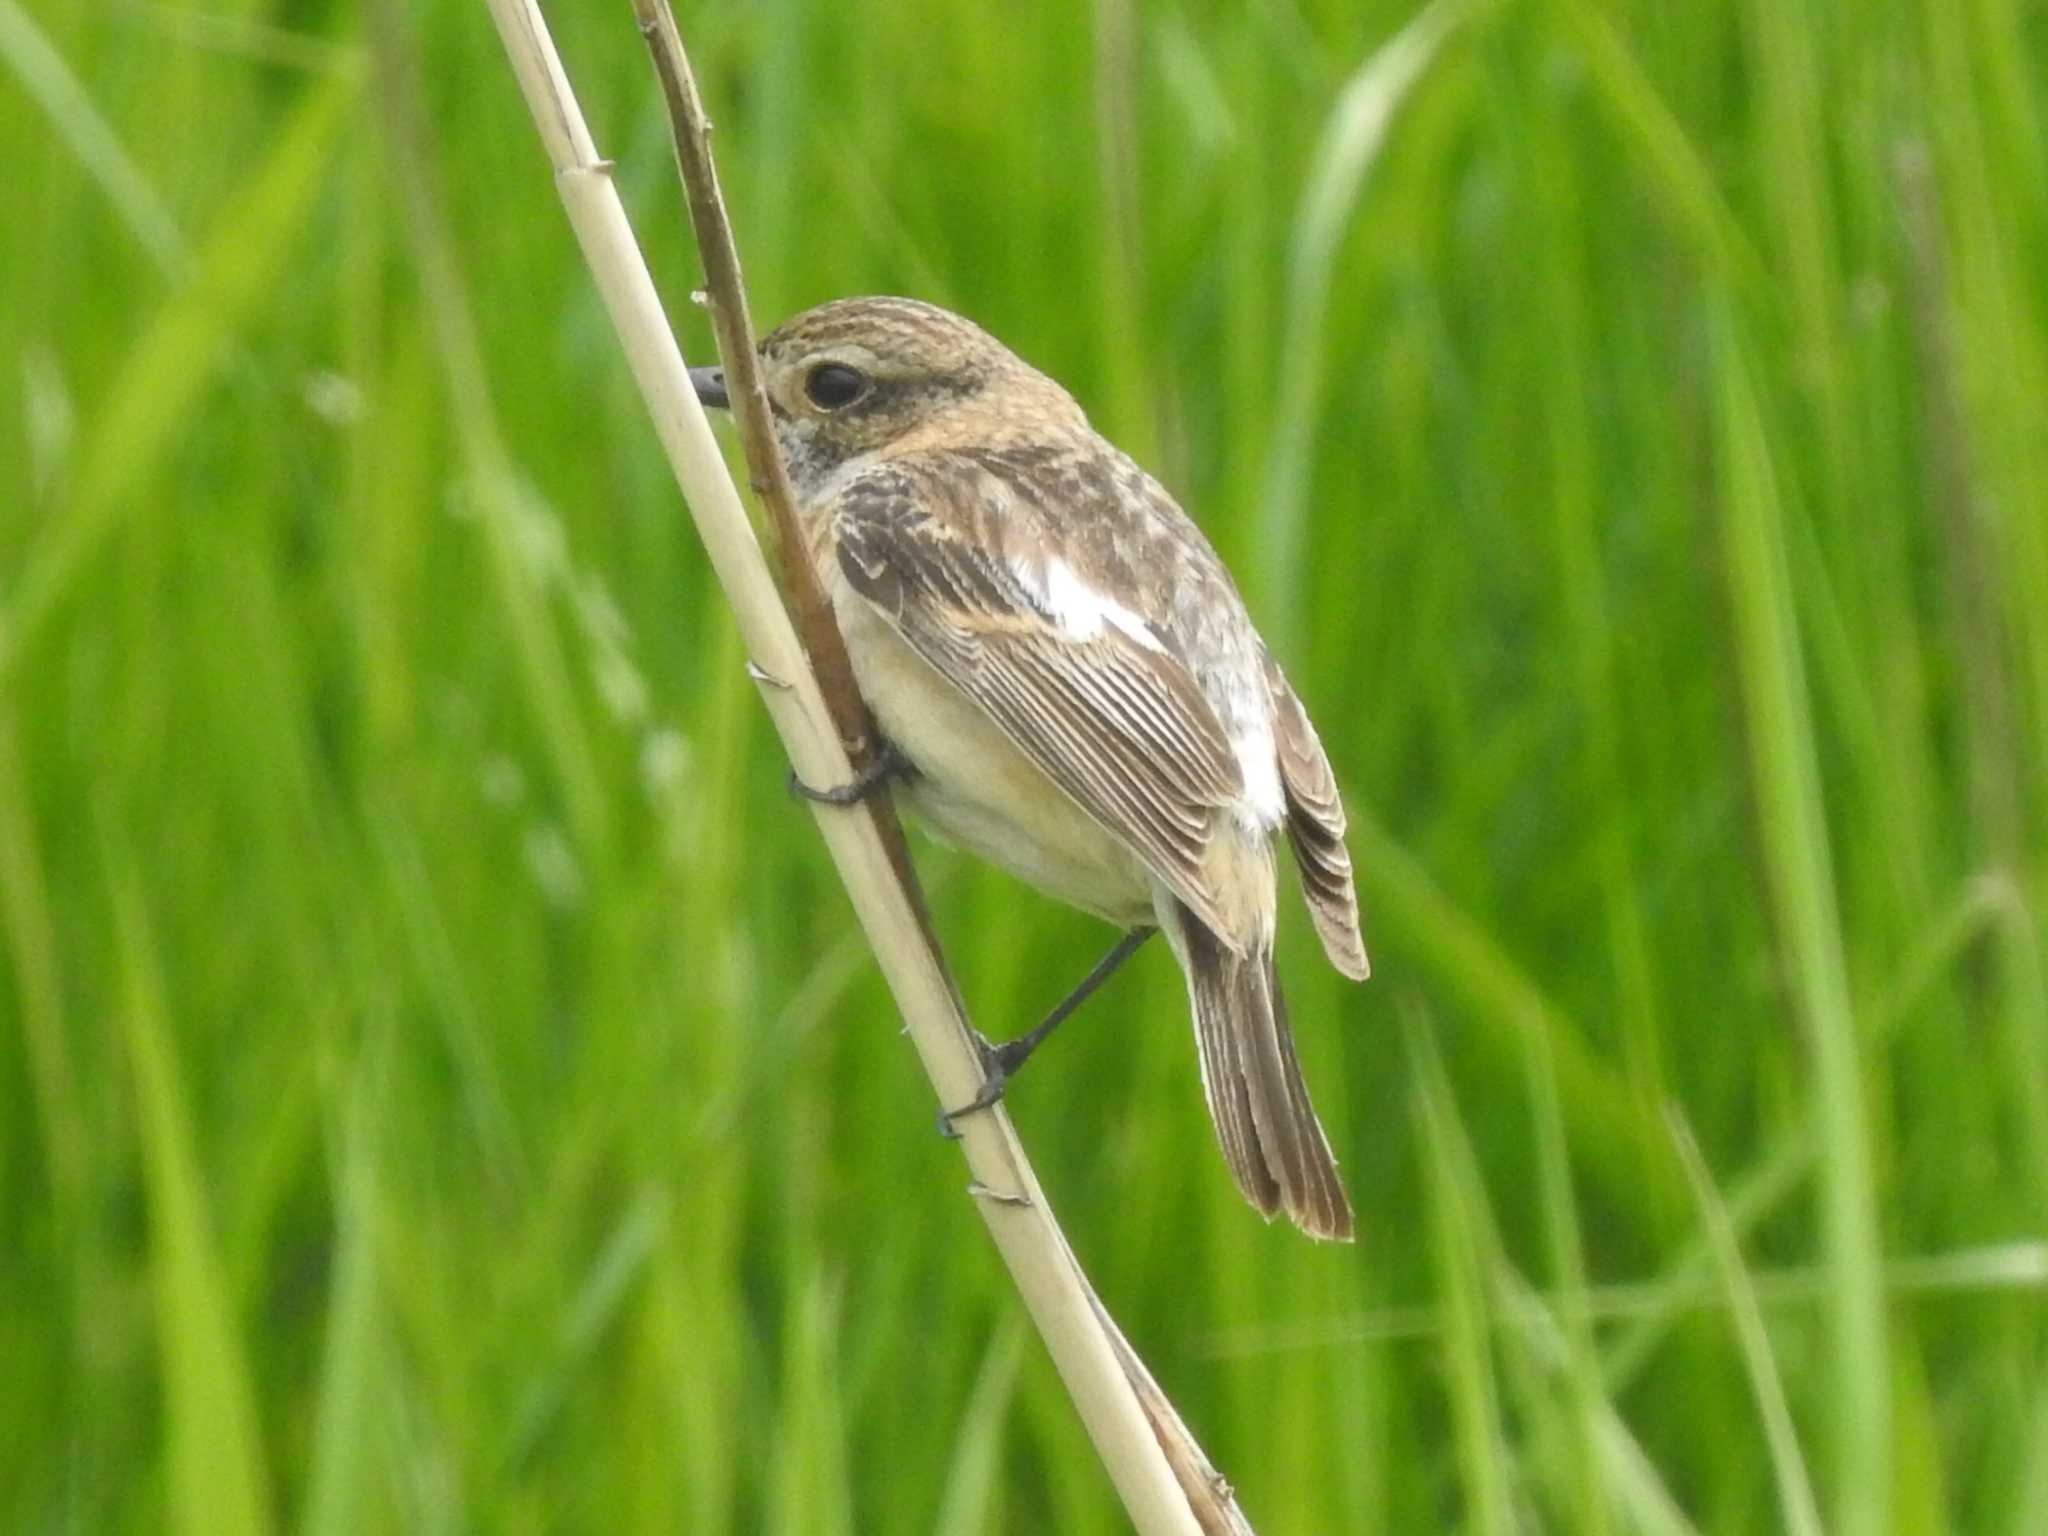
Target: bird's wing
[[1085, 688], [1315, 827]]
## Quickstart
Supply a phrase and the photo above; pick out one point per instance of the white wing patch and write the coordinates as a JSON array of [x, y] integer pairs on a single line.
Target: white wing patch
[[1081, 610], [1250, 730]]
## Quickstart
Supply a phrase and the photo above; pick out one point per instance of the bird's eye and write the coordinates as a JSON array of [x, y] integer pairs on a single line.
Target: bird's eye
[[834, 385]]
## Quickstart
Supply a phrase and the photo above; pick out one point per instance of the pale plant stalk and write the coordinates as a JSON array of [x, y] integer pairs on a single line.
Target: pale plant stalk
[[1166, 1484]]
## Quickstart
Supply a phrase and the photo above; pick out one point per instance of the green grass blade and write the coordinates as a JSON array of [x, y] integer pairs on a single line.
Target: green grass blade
[[1800, 884], [1574, 1303], [809, 1489], [346, 1478], [167, 371], [43, 74], [1458, 1228], [216, 1482], [2030, 1503], [1351, 142], [971, 1504], [1797, 1506]]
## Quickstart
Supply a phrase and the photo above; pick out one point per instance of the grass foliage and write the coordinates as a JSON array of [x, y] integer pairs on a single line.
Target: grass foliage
[[440, 1085]]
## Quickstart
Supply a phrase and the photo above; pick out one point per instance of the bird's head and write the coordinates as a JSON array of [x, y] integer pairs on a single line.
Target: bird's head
[[854, 379]]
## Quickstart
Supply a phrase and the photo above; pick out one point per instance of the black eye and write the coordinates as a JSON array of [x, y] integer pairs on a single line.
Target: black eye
[[832, 385]]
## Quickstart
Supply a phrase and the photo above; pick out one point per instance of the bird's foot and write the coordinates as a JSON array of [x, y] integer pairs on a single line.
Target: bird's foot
[[886, 765], [999, 1063]]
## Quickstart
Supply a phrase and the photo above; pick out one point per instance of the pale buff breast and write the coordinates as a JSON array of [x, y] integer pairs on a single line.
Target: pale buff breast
[[974, 788]]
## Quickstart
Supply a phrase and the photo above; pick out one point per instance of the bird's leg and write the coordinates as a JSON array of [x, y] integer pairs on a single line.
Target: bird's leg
[[1000, 1063], [885, 765]]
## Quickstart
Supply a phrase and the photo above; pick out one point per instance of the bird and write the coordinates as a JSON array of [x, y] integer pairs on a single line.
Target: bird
[[1068, 685]]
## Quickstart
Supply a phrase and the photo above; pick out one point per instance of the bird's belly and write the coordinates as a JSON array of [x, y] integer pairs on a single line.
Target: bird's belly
[[1065, 856], [976, 790]]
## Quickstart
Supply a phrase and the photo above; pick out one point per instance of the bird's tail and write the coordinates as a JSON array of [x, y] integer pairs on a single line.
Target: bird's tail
[[1268, 1131]]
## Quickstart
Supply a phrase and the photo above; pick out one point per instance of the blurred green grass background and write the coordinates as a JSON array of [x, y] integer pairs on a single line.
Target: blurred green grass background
[[441, 1088]]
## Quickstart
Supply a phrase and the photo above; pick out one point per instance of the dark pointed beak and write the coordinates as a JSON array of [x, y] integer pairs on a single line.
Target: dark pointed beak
[[710, 386]]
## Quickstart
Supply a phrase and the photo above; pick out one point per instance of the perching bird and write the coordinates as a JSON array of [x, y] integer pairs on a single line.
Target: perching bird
[[1070, 687]]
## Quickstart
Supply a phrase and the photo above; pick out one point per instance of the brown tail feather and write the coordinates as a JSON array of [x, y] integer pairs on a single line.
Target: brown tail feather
[[1315, 826], [1264, 1123]]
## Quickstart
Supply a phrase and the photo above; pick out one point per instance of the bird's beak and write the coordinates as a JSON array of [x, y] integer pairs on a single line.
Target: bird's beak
[[710, 386]]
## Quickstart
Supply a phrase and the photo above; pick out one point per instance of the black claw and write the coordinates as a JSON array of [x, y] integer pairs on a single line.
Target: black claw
[[887, 764], [997, 1063]]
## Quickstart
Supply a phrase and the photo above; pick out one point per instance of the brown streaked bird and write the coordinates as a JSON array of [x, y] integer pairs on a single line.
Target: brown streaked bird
[[1071, 688]]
